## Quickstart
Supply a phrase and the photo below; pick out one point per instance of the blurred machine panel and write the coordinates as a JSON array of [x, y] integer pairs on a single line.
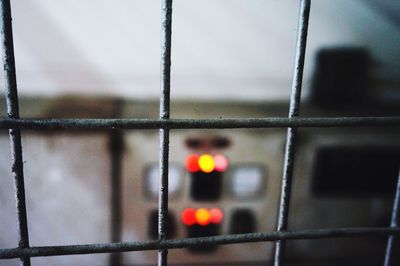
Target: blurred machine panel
[[151, 179], [356, 170], [221, 182], [247, 181], [341, 77]]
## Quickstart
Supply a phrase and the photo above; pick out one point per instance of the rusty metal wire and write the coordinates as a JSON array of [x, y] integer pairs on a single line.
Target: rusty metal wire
[[194, 242], [166, 24], [10, 85], [294, 108], [394, 222], [273, 122]]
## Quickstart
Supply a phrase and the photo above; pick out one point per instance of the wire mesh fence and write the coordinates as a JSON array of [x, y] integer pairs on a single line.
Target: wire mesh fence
[[15, 124]]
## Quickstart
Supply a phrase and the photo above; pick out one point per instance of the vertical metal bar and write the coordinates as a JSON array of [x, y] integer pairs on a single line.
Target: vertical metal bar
[[10, 85], [394, 222], [291, 132], [116, 150], [166, 23]]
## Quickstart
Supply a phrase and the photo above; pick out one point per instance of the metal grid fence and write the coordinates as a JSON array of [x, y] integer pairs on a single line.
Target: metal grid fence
[[15, 124]]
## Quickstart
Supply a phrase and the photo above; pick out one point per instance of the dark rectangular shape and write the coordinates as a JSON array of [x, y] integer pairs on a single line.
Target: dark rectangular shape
[[340, 77], [203, 231], [206, 186], [355, 171], [243, 221]]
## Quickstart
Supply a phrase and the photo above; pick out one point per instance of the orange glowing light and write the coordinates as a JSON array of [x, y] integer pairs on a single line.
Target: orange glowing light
[[221, 163], [203, 216], [188, 216], [206, 163], [216, 216], [192, 163]]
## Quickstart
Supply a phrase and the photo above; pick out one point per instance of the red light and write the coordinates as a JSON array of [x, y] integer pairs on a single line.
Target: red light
[[188, 216], [192, 163], [216, 215], [201, 216], [221, 163]]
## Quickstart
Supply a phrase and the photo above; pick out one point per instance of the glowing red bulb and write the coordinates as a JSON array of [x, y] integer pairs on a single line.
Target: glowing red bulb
[[216, 216], [201, 216], [188, 216], [192, 163], [221, 163]]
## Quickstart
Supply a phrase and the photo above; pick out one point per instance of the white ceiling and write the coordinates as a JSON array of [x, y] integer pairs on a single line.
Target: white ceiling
[[222, 49]]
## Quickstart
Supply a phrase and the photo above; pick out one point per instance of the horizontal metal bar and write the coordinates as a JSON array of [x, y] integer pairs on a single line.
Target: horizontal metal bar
[[194, 242], [273, 122]]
